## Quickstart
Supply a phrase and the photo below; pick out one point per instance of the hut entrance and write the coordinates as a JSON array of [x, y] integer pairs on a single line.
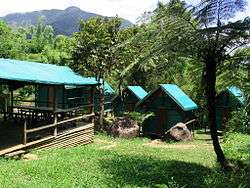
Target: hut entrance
[[162, 120]]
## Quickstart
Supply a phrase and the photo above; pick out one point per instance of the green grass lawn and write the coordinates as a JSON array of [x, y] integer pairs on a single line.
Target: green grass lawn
[[140, 162]]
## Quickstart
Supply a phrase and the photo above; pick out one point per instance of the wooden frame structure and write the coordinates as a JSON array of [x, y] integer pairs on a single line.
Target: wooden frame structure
[[47, 126], [37, 120]]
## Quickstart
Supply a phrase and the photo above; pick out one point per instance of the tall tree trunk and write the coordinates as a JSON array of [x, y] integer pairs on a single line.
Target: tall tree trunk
[[210, 91], [102, 101]]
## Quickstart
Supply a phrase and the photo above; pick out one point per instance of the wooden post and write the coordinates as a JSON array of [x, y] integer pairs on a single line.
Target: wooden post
[[92, 97], [11, 102], [54, 98], [63, 97], [55, 122], [54, 109], [36, 95], [25, 132], [5, 108]]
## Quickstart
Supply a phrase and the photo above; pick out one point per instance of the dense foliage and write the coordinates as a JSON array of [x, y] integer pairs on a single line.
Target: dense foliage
[[198, 48]]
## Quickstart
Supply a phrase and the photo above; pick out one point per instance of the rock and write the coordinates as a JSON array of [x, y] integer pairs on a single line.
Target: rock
[[124, 127], [179, 132]]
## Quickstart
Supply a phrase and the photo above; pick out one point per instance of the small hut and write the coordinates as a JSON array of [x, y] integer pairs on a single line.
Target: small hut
[[52, 117], [229, 100], [126, 103], [170, 106]]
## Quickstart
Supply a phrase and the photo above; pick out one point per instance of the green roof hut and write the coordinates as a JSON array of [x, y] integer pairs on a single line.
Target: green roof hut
[[57, 119], [170, 106], [127, 102], [229, 100]]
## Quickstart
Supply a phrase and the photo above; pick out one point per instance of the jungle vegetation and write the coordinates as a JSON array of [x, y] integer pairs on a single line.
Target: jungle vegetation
[[198, 48]]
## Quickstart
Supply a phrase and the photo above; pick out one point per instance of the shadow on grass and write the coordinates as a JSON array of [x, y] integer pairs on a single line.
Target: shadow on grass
[[140, 171]]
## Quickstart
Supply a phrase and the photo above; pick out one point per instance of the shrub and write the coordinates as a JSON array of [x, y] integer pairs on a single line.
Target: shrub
[[139, 117], [240, 121]]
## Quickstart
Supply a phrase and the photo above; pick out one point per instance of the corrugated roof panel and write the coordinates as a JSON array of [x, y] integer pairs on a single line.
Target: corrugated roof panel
[[237, 93], [138, 91], [40, 73], [182, 99]]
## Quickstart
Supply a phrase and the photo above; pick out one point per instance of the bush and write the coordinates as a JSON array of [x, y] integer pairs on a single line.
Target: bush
[[240, 121], [139, 117]]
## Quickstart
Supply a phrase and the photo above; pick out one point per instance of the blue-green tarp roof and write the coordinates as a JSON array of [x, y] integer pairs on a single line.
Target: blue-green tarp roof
[[108, 89], [235, 91], [138, 91], [41, 73], [176, 93], [181, 98]]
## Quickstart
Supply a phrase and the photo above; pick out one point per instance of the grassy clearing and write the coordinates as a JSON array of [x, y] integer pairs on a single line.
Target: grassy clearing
[[113, 162]]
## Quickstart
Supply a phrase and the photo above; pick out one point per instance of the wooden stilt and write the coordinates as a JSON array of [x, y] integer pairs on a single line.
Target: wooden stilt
[[55, 123], [54, 109], [25, 132], [11, 102]]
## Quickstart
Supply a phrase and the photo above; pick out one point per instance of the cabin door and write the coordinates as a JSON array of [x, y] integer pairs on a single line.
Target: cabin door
[[50, 96], [160, 128]]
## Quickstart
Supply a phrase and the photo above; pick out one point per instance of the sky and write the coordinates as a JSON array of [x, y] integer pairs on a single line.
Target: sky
[[128, 9]]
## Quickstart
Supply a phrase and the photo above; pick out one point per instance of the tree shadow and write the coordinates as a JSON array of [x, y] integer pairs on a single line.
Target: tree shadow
[[140, 171]]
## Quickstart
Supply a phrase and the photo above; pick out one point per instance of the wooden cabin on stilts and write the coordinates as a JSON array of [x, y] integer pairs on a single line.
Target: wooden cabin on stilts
[[53, 117]]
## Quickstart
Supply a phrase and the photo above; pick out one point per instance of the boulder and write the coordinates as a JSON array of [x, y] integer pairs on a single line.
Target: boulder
[[124, 127], [179, 132]]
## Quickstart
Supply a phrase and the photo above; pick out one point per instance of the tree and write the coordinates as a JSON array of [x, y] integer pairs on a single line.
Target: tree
[[94, 51], [9, 42], [205, 35]]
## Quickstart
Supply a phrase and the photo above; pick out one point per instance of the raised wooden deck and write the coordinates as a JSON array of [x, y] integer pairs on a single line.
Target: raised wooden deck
[[77, 136]]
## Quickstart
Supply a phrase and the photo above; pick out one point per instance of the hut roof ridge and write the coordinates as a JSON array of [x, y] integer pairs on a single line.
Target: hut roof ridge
[[176, 93], [181, 98], [138, 91], [238, 93]]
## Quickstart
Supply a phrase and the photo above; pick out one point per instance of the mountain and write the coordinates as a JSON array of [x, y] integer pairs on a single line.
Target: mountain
[[64, 22]]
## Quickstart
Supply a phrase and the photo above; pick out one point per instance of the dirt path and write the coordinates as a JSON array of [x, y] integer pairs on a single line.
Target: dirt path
[[108, 144], [160, 144]]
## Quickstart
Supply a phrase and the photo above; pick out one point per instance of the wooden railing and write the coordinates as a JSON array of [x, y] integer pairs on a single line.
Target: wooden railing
[[54, 125]]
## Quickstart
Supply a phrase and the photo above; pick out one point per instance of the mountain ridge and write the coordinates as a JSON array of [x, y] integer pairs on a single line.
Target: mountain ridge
[[64, 22]]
